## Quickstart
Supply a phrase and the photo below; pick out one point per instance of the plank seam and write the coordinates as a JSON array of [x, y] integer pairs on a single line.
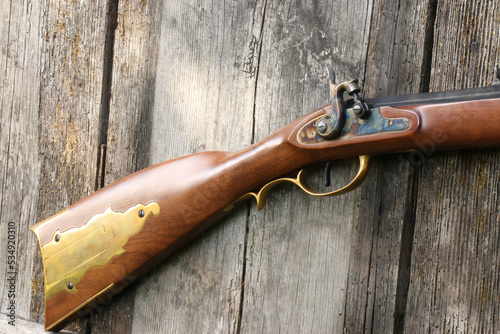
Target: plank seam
[[368, 24], [408, 229], [405, 252], [426, 68], [109, 43], [243, 270], [247, 221], [257, 70]]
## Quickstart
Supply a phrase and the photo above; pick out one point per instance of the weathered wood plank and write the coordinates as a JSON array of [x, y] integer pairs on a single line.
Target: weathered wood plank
[[203, 101], [135, 59], [455, 261], [331, 265], [24, 327], [71, 74], [19, 167], [133, 79], [299, 248], [192, 77], [377, 277]]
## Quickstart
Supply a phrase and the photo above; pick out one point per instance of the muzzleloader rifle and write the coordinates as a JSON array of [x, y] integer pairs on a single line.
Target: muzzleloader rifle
[[103, 242]]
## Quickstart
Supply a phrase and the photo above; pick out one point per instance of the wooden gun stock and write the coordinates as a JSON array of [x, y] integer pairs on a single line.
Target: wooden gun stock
[[103, 242]]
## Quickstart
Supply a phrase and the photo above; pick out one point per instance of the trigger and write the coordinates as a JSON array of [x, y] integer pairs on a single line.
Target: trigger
[[328, 169]]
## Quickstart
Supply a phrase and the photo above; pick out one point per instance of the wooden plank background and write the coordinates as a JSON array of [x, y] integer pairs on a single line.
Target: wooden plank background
[[91, 92]]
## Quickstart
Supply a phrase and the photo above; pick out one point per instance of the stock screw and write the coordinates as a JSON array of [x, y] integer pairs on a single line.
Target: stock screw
[[70, 286], [321, 127], [141, 213]]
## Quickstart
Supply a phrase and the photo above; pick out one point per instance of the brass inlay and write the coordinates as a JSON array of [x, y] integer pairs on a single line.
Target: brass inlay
[[261, 196], [71, 253]]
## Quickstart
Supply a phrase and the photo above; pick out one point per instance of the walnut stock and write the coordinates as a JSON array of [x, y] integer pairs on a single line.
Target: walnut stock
[[192, 192]]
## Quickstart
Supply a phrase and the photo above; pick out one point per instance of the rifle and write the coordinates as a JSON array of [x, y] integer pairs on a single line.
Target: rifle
[[100, 244]]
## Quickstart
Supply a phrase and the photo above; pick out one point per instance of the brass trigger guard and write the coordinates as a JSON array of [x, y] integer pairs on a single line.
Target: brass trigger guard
[[261, 196]]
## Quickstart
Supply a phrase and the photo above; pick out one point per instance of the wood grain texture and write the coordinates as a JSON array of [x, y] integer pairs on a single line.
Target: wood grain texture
[[394, 65], [378, 228], [72, 38], [19, 162], [132, 87], [298, 249], [25, 327], [345, 251], [416, 248], [203, 101], [454, 285]]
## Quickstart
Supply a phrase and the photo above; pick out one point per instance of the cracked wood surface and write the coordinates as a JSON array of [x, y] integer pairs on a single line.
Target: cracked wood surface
[[416, 247], [455, 265]]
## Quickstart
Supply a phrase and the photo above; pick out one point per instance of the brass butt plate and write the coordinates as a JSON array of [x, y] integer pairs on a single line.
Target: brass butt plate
[[69, 254]]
